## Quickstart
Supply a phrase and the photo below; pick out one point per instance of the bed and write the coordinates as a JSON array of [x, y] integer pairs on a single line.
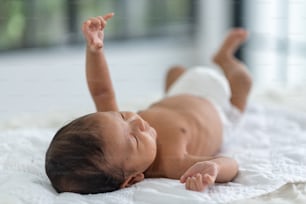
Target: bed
[[270, 146]]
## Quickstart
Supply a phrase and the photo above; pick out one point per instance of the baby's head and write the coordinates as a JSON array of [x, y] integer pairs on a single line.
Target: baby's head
[[100, 152]]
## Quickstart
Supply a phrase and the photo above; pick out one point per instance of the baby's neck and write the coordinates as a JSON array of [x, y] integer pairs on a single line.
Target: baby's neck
[[154, 171]]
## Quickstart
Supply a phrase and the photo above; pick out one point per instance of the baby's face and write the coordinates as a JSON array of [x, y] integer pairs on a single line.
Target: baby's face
[[130, 141]]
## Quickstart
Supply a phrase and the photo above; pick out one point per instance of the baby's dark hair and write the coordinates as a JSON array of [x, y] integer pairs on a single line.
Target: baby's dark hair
[[75, 160]]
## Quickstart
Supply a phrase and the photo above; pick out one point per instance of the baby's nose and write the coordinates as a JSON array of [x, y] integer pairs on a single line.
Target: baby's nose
[[138, 123]]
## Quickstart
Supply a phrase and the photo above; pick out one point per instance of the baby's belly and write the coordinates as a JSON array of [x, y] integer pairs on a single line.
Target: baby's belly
[[205, 145], [201, 123]]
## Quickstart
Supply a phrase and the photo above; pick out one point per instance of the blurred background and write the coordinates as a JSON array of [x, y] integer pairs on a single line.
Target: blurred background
[[42, 48]]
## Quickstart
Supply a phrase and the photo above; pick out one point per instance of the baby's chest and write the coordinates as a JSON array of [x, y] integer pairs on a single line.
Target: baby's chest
[[193, 136]]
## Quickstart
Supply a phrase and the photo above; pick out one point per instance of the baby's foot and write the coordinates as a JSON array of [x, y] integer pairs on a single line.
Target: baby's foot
[[231, 43]]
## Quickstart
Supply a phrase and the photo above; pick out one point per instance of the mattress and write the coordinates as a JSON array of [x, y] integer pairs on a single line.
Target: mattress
[[269, 147]]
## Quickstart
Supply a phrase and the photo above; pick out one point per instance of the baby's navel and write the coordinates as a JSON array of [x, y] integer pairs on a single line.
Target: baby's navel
[[183, 130]]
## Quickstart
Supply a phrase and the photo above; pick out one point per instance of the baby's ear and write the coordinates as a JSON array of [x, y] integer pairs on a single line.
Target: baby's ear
[[132, 180]]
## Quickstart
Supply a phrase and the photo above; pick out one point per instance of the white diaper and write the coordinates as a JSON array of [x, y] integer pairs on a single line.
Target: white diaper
[[210, 84]]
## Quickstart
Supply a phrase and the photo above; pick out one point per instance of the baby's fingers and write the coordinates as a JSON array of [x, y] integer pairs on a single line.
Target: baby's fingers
[[85, 26], [201, 185], [103, 19], [191, 183], [108, 16], [102, 22], [91, 23], [195, 183]]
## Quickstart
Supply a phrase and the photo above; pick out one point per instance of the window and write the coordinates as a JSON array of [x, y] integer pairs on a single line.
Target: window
[[35, 23], [277, 47]]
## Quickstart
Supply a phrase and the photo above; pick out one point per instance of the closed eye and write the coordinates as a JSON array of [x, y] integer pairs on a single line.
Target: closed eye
[[122, 116], [135, 139]]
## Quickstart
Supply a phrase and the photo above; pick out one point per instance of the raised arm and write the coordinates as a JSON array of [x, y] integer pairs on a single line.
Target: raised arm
[[97, 72]]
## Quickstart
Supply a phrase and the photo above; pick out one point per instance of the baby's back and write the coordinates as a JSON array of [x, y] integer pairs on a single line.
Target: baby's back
[[185, 125]]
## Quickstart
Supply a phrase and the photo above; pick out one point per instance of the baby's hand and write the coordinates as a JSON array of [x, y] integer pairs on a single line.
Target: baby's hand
[[93, 31], [199, 176]]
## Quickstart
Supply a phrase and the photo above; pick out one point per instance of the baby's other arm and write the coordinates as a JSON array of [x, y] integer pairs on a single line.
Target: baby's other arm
[[97, 72], [204, 173]]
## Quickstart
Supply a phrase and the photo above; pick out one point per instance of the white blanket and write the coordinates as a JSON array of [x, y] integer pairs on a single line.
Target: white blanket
[[270, 147]]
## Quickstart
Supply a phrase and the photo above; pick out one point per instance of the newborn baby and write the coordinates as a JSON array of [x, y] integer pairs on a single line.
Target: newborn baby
[[178, 137]]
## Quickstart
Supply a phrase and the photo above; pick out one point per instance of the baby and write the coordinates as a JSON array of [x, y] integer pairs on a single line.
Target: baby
[[178, 137]]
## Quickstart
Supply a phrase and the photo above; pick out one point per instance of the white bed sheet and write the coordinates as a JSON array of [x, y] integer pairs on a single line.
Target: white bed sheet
[[270, 147]]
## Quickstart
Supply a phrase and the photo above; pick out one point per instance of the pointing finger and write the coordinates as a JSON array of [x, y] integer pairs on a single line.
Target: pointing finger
[[108, 16]]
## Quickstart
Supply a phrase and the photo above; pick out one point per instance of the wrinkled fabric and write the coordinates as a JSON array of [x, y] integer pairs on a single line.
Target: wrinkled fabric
[[269, 145]]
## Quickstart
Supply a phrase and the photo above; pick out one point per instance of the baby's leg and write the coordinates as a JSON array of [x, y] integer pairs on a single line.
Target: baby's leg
[[235, 71], [172, 75]]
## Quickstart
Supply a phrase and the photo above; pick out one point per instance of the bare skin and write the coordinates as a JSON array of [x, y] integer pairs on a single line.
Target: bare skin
[[177, 137]]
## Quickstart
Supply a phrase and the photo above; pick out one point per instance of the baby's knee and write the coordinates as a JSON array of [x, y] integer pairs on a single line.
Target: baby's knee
[[173, 74], [175, 70], [244, 79]]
